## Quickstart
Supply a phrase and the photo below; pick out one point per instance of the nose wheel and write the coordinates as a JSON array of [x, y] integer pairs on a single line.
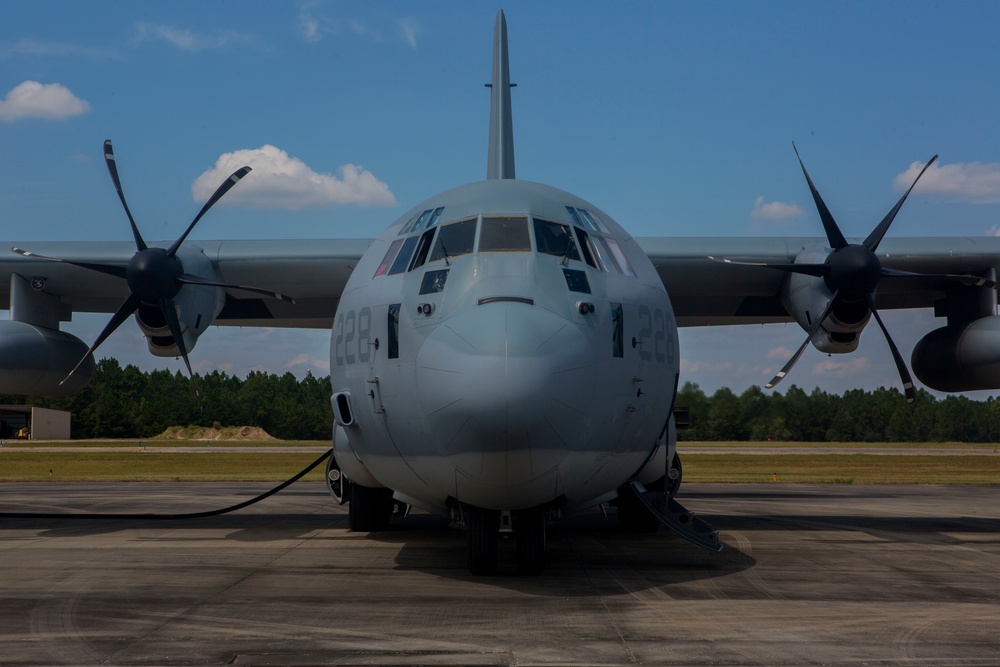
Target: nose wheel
[[482, 528], [529, 531], [370, 509]]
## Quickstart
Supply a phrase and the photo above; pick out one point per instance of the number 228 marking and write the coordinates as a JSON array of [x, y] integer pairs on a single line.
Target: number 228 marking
[[354, 333]]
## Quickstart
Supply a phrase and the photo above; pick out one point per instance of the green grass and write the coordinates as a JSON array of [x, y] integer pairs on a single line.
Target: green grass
[[158, 443], [776, 444], [842, 469], [130, 463], [138, 466]]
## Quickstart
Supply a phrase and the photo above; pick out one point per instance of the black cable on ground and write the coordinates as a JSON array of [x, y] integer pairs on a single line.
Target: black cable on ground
[[189, 515]]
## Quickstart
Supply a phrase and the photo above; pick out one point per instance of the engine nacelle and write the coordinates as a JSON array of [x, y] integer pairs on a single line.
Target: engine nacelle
[[960, 357], [806, 297], [197, 307], [34, 360]]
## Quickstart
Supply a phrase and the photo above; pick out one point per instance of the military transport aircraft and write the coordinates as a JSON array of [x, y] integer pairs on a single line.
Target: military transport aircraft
[[505, 351]]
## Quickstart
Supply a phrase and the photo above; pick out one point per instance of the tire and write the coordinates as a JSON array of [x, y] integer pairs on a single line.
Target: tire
[[633, 515], [529, 530], [370, 509], [674, 485], [481, 528]]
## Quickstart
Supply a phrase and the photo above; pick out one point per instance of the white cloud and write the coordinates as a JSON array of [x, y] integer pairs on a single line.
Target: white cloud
[[51, 101], [281, 181], [309, 362], [27, 47], [409, 30], [188, 40], [775, 211], [780, 353], [993, 231], [852, 366], [314, 26], [971, 181], [309, 25]]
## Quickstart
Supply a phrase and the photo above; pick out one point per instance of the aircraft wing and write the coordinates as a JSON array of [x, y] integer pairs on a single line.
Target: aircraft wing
[[707, 292], [313, 272], [703, 291]]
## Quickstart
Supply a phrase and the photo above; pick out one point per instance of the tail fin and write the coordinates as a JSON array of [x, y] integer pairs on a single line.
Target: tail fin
[[500, 163]]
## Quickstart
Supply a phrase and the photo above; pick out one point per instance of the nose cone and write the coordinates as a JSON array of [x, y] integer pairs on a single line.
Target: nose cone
[[506, 389]]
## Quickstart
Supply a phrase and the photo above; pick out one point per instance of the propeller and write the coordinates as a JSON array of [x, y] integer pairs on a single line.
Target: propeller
[[154, 275], [852, 272]]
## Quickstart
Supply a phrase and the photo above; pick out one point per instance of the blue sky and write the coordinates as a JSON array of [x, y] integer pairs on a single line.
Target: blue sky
[[675, 118]]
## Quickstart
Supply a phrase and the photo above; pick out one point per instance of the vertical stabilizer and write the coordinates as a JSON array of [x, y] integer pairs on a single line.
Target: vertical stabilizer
[[500, 163]]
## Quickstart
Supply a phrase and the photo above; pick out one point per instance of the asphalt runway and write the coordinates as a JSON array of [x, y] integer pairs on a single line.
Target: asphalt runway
[[831, 575]]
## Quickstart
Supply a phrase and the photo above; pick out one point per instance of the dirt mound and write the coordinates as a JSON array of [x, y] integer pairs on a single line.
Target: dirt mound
[[224, 433]]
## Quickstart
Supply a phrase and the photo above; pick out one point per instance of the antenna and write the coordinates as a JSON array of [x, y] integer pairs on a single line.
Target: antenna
[[500, 163]]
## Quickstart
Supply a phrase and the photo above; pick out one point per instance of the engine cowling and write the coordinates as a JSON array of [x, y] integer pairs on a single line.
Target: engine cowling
[[34, 360], [806, 297], [197, 307], [960, 357]]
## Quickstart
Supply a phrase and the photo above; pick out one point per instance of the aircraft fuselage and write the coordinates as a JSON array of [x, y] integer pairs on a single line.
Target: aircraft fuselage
[[504, 345]]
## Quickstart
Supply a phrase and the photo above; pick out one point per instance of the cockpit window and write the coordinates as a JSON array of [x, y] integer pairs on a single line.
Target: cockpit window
[[423, 220], [592, 222], [620, 257], [576, 280], [423, 248], [435, 216], [553, 238], [390, 255], [574, 216], [433, 281], [405, 229], [586, 247], [604, 255], [454, 239], [504, 235], [586, 220], [403, 258]]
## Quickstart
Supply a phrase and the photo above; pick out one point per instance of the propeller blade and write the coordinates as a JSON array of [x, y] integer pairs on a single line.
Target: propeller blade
[[788, 366], [904, 373], [189, 279], [876, 236], [109, 160], [798, 353], [170, 314], [110, 269], [125, 310], [226, 186], [833, 233], [970, 281], [818, 270]]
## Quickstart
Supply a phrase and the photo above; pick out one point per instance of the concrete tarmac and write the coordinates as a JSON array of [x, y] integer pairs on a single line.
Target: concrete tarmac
[[811, 575]]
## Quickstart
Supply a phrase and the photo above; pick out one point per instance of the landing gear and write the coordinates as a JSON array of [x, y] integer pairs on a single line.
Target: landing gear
[[481, 527], [338, 485], [370, 509], [674, 475], [632, 514], [529, 531], [482, 531]]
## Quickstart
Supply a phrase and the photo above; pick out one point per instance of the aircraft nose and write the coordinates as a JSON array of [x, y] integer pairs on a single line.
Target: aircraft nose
[[505, 388]]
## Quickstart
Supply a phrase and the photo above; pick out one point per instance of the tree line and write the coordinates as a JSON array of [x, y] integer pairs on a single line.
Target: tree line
[[129, 403], [882, 415]]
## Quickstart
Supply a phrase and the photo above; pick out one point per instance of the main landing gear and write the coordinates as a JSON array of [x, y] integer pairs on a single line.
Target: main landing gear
[[370, 509], [483, 529]]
